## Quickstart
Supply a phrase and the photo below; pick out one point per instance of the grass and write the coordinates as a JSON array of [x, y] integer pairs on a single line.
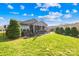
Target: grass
[[51, 44]]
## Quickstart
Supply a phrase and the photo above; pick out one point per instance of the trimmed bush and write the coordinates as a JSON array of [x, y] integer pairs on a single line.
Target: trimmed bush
[[57, 30], [70, 32], [74, 32], [61, 30], [67, 31], [23, 33], [13, 30]]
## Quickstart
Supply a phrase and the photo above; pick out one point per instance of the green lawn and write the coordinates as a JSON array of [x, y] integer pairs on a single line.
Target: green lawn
[[51, 44]]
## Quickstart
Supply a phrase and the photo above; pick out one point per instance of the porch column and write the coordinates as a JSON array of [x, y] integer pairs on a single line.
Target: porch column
[[33, 29], [41, 27]]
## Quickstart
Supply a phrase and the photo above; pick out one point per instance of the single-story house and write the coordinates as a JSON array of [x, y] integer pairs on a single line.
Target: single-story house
[[2, 29], [33, 25]]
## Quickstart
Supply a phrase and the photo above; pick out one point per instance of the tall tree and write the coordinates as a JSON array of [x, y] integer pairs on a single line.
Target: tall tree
[[13, 30]]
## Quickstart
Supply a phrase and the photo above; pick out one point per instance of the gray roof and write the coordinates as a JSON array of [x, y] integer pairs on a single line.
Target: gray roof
[[33, 22]]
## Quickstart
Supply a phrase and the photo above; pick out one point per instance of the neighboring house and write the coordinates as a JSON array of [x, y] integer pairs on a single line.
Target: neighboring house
[[2, 29], [64, 26], [33, 25], [70, 25]]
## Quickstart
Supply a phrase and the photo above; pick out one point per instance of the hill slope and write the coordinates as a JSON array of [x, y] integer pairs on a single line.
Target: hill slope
[[48, 44]]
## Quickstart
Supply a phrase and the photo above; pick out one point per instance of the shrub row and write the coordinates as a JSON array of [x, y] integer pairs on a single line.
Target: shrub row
[[67, 31]]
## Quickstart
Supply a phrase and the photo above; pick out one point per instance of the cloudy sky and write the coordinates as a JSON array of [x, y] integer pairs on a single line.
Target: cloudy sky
[[51, 13]]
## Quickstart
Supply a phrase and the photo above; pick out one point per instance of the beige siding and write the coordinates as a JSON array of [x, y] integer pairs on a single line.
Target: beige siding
[[25, 27]]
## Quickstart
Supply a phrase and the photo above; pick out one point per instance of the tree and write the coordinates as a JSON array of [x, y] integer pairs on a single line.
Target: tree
[[13, 30], [74, 32], [67, 31]]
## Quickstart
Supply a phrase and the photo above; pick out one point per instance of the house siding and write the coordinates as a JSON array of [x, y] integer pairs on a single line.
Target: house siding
[[25, 27]]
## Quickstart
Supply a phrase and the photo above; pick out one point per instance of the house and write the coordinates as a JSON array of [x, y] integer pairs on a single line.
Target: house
[[33, 25], [64, 26], [2, 29]]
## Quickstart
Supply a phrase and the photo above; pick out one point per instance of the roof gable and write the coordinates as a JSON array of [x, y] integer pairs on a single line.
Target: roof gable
[[34, 22], [29, 22]]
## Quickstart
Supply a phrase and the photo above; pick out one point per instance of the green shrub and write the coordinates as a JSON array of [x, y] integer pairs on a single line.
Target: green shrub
[[57, 30], [61, 30], [13, 30], [74, 32], [67, 31]]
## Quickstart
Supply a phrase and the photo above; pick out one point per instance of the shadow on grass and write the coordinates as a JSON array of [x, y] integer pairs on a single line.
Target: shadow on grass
[[3, 38], [69, 35], [35, 38]]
